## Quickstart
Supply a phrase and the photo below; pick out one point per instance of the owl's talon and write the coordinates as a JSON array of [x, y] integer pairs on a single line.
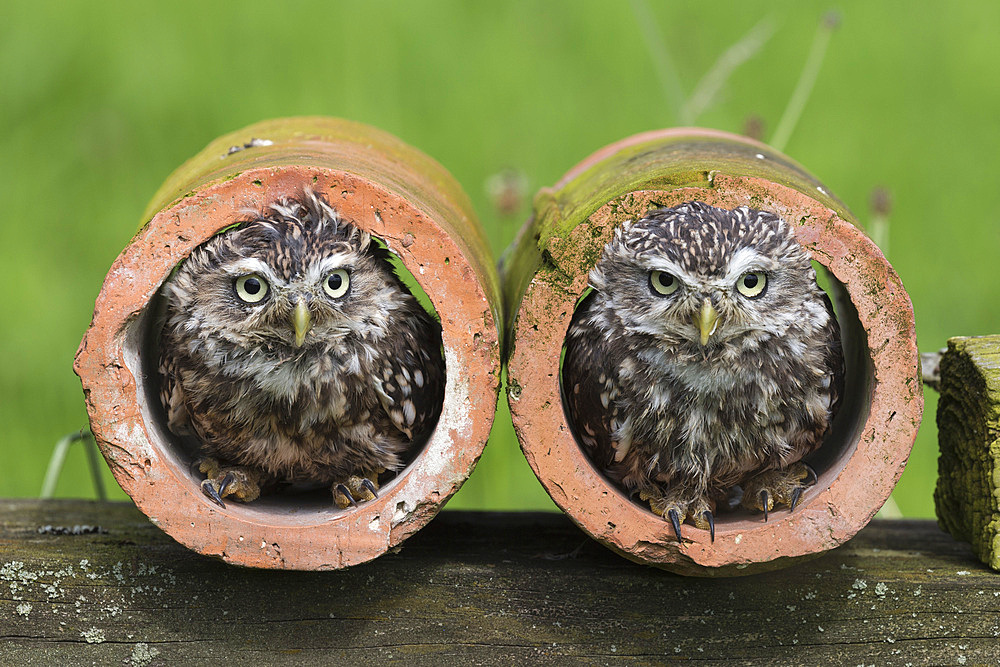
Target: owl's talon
[[356, 489], [809, 473], [678, 505], [707, 514], [237, 482], [346, 493], [675, 520], [227, 481], [208, 488], [796, 494], [778, 487]]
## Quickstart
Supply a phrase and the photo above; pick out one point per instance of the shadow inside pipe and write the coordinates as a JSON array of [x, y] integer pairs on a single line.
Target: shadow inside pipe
[[846, 429], [297, 503]]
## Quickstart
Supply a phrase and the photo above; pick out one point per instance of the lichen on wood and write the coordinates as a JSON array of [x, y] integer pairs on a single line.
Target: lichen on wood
[[967, 497], [477, 588]]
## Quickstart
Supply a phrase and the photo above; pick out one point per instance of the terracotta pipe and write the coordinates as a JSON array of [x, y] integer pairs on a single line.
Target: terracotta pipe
[[385, 187], [545, 273]]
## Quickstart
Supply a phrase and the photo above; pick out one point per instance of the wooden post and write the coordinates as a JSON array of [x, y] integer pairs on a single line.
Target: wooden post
[[90, 583], [967, 496]]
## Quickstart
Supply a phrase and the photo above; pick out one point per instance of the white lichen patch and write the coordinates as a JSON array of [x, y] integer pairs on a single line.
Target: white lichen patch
[[881, 589], [20, 579], [143, 654], [93, 636], [109, 592], [859, 584]]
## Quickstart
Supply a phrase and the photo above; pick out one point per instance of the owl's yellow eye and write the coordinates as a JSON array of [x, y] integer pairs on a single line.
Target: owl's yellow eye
[[336, 283], [752, 284], [251, 288], [663, 283]]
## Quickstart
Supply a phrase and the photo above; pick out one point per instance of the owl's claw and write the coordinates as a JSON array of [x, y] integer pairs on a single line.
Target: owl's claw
[[811, 476], [796, 494], [778, 487], [355, 489], [239, 482], [346, 493], [676, 506], [707, 514], [227, 481], [208, 488], [675, 520]]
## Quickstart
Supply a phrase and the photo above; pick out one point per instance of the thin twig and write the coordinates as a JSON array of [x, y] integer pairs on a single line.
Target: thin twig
[[56, 463], [90, 445], [58, 459], [666, 72], [800, 96], [878, 226], [737, 54]]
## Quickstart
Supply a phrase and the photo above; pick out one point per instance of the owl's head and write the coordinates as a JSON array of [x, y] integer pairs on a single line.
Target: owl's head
[[281, 282], [697, 275]]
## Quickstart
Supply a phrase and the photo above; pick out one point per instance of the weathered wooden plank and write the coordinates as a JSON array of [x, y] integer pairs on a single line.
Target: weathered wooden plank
[[478, 588], [967, 497]]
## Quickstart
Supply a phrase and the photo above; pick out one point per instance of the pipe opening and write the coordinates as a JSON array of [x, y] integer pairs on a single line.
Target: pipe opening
[[839, 443], [295, 503]]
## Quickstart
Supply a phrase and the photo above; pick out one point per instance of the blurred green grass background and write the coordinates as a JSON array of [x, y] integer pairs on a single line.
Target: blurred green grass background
[[100, 101]]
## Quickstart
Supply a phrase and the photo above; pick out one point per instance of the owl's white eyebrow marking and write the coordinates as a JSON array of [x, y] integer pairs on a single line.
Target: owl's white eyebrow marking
[[663, 264], [338, 260], [745, 260], [254, 265]]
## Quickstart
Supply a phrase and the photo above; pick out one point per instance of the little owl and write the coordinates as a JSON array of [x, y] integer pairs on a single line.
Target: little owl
[[292, 353], [705, 360]]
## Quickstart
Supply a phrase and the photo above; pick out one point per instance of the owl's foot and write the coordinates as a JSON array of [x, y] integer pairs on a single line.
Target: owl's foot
[[777, 487], [240, 482], [356, 488], [676, 506]]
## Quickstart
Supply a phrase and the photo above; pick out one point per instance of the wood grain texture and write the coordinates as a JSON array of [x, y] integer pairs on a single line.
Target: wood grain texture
[[84, 583], [968, 416]]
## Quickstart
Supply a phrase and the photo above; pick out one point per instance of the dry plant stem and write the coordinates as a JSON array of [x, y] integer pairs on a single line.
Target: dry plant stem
[[803, 88], [666, 72], [58, 459]]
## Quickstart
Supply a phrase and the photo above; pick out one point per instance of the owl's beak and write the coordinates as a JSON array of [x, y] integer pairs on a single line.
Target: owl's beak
[[707, 320], [301, 321]]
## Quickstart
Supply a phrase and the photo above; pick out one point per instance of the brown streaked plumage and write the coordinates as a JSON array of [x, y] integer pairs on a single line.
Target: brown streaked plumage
[[291, 352], [705, 358]]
